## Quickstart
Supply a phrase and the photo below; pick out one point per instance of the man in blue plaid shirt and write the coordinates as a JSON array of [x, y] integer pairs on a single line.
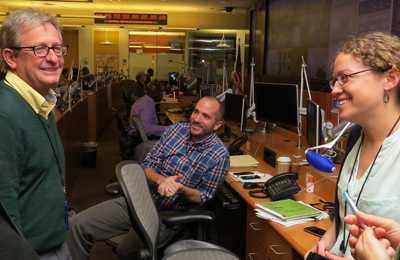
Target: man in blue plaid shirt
[[184, 168]]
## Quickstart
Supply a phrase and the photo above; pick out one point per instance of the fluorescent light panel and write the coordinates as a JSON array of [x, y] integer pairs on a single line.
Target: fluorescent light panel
[[156, 33]]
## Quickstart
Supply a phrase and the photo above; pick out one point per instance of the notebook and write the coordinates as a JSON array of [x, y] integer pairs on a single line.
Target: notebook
[[289, 209], [243, 161]]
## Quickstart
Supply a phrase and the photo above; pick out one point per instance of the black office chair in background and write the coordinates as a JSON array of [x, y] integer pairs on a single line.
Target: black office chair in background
[[131, 147], [146, 220], [127, 88]]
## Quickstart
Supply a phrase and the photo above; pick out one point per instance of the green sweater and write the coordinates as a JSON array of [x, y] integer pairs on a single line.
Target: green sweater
[[31, 184]]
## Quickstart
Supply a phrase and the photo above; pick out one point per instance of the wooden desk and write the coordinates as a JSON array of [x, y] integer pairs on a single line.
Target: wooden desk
[[183, 101], [100, 113], [176, 117], [268, 240], [73, 129]]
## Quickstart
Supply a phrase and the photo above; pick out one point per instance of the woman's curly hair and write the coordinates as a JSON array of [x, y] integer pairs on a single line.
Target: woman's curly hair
[[378, 50]]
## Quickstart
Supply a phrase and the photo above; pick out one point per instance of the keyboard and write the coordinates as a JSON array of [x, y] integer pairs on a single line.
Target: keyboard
[[228, 197]]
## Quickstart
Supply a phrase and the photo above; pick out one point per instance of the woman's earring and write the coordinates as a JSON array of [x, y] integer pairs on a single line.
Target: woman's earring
[[385, 97]]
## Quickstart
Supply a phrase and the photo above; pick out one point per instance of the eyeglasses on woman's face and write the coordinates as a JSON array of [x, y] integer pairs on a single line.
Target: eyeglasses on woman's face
[[343, 78]]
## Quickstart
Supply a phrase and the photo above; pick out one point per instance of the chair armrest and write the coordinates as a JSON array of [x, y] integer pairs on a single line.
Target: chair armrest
[[174, 217]]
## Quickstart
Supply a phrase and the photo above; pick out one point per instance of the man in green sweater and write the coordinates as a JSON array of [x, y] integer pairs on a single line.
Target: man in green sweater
[[31, 152]]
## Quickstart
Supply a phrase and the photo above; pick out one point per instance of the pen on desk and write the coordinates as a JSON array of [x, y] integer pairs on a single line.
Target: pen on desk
[[352, 205]]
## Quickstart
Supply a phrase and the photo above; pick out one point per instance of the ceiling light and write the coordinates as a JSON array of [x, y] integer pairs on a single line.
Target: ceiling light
[[156, 33], [106, 41]]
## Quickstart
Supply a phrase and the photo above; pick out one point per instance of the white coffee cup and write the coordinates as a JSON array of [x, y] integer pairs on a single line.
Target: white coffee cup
[[283, 164]]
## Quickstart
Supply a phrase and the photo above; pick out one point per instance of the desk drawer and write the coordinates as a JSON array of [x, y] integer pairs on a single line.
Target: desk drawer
[[255, 233], [276, 247], [263, 242]]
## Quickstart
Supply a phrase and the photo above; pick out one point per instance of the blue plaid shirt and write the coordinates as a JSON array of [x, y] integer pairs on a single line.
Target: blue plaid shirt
[[202, 164]]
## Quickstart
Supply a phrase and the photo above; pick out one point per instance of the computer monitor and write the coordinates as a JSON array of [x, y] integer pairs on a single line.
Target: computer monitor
[[235, 109], [173, 78], [277, 103], [315, 120]]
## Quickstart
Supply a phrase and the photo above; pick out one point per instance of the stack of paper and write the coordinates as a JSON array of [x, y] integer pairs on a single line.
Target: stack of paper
[[263, 177], [243, 161], [288, 212]]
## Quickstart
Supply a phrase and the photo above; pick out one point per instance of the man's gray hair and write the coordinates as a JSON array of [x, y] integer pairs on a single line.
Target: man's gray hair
[[22, 19]]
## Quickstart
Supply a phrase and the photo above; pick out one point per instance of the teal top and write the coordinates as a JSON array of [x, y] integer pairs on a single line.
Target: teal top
[[31, 171]]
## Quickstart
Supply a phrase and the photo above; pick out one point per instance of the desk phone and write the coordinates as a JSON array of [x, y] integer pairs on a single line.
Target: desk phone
[[279, 187]]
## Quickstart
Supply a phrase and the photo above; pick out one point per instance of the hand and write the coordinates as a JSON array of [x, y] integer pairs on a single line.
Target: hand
[[319, 248], [169, 186], [368, 247], [383, 227]]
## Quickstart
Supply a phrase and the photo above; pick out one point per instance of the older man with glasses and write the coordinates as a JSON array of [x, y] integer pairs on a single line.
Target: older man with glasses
[[31, 152]]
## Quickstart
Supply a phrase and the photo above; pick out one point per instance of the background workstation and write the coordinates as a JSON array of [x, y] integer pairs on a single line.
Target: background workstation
[[276, 33]]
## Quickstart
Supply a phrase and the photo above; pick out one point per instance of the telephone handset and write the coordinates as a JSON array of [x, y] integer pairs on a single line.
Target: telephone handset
[[234, 147], [279, 187]]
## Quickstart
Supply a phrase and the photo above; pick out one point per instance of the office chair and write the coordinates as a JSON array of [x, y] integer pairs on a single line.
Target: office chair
[[137, 122], [145, 146], [146, 220], [141, 146], [127, 94], [201, 254]]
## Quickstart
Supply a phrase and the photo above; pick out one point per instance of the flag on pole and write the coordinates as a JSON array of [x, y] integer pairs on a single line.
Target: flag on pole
[[237, 71]]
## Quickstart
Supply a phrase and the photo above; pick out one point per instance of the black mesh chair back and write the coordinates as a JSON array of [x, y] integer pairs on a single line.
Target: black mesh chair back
[[143, 149], [138, 124], [121, 124], [201, 254], [146, 221], [142, 209]]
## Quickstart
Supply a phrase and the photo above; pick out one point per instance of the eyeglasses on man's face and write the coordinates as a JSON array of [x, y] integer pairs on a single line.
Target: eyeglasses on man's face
[[43, 51], [344, 78]]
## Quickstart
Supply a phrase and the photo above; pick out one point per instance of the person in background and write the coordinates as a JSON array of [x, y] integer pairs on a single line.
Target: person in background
[[141, 80], [365, 85], [149, 75], [87, 79], [145, 108], [184, 169], [64, 77], [31, 153], [75, 72]]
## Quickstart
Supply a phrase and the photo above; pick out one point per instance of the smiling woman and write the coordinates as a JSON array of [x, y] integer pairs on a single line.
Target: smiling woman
[[365, 84]]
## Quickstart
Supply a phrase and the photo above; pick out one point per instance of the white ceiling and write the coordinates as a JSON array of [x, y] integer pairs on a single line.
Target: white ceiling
[[200, 6]]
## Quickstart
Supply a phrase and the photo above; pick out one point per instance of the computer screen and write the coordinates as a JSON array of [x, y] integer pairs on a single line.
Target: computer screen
[[173, 78], [235, 109], [277, 103], [315, 119]]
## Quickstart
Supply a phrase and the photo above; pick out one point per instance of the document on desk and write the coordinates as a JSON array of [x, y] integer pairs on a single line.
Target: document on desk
[[262, 177], [243, 161], [289, 212]]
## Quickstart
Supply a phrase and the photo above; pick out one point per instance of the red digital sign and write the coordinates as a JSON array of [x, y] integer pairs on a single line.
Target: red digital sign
[[125, 18]]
